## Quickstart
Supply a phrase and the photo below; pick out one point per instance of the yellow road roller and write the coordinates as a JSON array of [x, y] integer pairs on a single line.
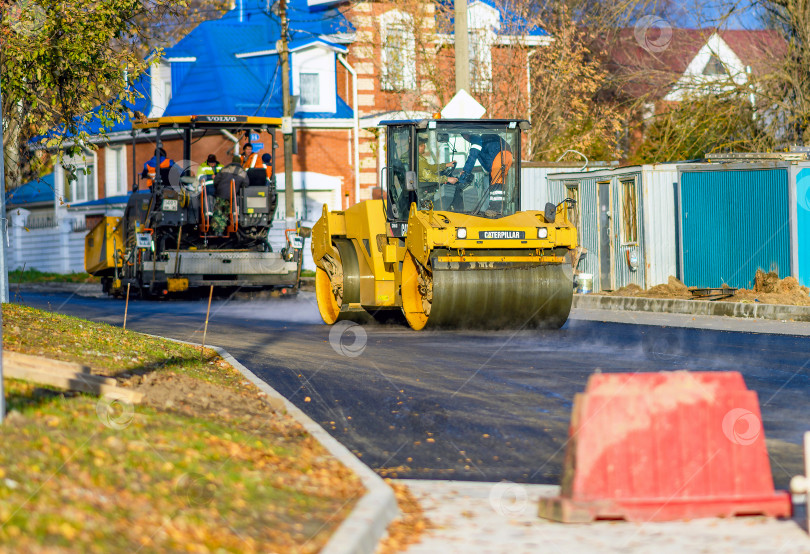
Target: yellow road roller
[[447, 245]]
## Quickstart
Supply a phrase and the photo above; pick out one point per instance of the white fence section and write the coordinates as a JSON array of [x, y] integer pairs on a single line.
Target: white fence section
[[58, 248]]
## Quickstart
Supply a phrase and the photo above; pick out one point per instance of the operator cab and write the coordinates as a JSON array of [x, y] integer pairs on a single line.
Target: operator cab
[[462, 166]]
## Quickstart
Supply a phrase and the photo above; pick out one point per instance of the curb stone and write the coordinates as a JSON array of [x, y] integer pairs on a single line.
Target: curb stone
[[368, 522], [693, 307]]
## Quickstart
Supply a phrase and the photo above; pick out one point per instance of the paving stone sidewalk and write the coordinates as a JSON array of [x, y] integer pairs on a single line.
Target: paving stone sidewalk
[[502, 518]]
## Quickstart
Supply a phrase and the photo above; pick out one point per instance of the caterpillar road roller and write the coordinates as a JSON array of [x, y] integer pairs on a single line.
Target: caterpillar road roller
[[447, 244], [167, 241]]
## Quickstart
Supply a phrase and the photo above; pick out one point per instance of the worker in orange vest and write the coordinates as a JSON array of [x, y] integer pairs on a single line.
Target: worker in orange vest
[[267, 164], [151, 166], [250, 159]]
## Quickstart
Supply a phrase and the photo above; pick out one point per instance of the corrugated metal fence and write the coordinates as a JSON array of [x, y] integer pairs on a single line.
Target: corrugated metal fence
[[734, 222]]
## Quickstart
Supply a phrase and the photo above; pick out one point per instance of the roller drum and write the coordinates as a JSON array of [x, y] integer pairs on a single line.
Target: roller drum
[[519, 297]]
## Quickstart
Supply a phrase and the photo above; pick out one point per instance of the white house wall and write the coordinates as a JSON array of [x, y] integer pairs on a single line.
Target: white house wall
[[321, 61]]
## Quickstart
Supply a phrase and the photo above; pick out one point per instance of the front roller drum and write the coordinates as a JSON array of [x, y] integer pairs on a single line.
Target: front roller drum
[[511, 297]]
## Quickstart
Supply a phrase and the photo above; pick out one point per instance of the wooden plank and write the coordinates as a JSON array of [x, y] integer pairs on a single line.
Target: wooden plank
[[44, 372], [28, 360]]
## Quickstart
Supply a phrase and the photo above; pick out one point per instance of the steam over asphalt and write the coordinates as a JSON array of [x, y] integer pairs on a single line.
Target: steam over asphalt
[[477, 405]]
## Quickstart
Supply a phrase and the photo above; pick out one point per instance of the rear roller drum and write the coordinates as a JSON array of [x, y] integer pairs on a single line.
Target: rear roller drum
[[338, 288]]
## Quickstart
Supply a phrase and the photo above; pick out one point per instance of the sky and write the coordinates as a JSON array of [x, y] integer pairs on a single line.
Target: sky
[[729, 14]]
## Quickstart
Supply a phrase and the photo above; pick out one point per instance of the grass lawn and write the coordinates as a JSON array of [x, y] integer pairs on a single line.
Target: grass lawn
[[34, 276], [204, 464]]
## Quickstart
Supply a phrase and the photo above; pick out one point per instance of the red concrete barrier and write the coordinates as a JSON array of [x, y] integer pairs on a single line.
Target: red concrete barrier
[[665, 446]]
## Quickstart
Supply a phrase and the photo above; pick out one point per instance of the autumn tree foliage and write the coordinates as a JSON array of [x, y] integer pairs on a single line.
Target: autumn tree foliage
[[63, 64]]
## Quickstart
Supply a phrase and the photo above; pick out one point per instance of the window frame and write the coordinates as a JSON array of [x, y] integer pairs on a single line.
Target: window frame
[[629, 210], [406, 52], [317, 89], [84, 181]]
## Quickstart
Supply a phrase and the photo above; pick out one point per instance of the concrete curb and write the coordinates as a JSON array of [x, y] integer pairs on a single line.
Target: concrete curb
[[362, 530], [692, 307]]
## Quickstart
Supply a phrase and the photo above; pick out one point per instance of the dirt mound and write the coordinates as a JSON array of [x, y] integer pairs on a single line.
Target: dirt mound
[[630, 290], [770, 289], [673, 289], [184, 394]]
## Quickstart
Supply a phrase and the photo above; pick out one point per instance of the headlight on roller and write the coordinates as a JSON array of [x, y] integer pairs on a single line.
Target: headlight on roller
[[542, 232], [461, 233]]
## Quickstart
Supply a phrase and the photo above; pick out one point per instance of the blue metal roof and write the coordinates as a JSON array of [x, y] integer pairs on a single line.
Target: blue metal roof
[[110, 200], [37, 191], [218, 82]]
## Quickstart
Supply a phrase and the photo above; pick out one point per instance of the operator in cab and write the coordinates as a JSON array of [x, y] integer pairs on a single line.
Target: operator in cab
[[430, 172], [250, 159], [233, 172], [150, 168]]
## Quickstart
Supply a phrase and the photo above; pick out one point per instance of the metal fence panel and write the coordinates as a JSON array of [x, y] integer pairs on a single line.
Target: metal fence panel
[[733, 222]]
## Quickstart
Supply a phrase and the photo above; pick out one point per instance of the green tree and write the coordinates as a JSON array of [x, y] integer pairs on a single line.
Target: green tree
[[64, 63]]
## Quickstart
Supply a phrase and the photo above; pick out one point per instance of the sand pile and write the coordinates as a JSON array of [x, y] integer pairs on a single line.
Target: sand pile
[[768, 289], [673, 289]]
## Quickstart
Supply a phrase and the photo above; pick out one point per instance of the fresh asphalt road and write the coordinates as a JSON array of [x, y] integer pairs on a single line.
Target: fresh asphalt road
[[470, 405]]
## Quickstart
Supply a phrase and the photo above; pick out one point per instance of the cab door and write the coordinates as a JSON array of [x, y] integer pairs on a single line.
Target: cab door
[[400, 162]]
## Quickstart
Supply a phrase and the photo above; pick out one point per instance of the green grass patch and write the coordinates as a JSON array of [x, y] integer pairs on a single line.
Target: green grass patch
[[91, 475], [109, 350], [307, 273], [34, 276]]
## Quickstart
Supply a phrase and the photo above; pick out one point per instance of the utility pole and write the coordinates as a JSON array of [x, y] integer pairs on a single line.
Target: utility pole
[[286, 125], [3, 268], [462, 44]]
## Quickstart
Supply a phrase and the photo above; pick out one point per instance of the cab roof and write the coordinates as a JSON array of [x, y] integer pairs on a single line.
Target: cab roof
[[522, 123], [208, 122]]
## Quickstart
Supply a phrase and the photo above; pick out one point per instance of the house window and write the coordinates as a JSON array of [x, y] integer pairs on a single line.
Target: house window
[[629, 215], [115, 168], [83, 188], [398, 53], [715, 67], [310, 89], [480, 60]]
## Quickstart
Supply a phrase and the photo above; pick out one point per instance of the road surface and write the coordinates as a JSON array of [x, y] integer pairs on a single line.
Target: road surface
[[464, 405]]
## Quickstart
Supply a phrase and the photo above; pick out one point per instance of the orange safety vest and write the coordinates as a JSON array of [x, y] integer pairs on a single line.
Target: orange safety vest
[[269, 170], [500, 167], [150, 170], [250, 162]]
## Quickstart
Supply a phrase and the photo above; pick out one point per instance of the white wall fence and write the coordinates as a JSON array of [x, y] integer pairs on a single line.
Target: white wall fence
[[53, 247]]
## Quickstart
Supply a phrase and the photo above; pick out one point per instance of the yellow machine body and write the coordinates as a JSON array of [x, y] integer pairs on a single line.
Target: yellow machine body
[[443, 267], [383, 269], [100, 246]]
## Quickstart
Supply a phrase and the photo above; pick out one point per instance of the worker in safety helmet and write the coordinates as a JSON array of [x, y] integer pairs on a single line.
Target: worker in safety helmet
[[250, 159], [495, 156], [158, 161], [267, 164], [224, 193], [209, 169]]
